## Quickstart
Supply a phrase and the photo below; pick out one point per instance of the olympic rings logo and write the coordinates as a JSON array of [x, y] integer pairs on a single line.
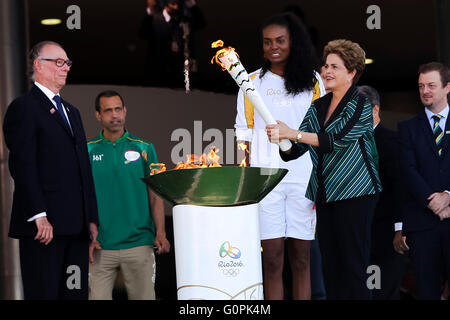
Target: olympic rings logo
[[226, 249], [230, 272]]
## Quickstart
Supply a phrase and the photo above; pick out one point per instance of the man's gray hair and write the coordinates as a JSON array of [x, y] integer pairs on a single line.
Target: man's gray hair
[[371, 94], [35, 52]]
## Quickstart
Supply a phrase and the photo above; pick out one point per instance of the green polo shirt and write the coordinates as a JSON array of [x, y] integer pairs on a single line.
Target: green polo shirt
[[123, 205]]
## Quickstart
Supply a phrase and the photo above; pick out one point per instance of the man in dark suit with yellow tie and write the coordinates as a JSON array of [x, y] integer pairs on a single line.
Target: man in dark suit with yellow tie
[[54, 213], [425, 159]]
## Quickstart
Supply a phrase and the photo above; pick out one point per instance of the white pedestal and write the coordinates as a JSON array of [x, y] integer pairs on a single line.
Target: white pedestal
[[218, 252]]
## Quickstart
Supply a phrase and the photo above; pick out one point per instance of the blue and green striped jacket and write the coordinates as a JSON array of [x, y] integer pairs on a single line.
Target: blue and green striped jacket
[[345, 164]]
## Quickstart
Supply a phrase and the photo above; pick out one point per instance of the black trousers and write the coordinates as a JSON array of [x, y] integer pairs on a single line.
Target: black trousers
[[58, 270], [430, 255], [344, 232], [392, 264]]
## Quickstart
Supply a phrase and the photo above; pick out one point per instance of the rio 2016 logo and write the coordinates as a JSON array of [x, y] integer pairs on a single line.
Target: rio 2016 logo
[[226, 249], [230, 268]]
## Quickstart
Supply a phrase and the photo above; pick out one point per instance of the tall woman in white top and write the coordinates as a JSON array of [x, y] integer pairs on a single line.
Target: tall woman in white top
[[288, 84]]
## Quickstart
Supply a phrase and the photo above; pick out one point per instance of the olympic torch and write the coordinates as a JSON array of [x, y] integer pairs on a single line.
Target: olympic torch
[[228, 59]]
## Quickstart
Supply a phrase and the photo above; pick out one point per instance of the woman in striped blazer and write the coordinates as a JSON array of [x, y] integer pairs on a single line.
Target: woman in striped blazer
[[338, 132]]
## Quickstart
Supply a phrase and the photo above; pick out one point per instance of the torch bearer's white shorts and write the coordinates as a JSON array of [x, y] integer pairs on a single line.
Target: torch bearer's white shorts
[[286, 213]]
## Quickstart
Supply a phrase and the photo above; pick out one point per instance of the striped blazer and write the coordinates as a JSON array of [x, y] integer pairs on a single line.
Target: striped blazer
[[345, 164]]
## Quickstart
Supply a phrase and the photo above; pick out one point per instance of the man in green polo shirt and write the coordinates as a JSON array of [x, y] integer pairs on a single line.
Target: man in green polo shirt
[[131, 217]]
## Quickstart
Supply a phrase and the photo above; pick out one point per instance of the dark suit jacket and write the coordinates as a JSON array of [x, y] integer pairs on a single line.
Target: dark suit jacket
[[389, 205], [425, 172], [388, 210], [50, 167]]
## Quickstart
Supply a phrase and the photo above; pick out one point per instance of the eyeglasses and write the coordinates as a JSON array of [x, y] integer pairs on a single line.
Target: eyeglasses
[[59, 62]]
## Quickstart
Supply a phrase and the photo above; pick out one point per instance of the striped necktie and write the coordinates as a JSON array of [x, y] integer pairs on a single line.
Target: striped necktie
[[438, 134]]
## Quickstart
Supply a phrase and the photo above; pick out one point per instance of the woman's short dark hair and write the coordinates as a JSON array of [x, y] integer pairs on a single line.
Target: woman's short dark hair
[[350, 52], [302, 62]]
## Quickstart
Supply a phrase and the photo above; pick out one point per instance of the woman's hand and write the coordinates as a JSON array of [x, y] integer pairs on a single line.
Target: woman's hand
[[280, 131]]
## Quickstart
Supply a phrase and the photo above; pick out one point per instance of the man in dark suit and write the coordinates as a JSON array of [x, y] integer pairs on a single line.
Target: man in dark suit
[[387, 212], [170, 34], [425, 158], [54, 212]]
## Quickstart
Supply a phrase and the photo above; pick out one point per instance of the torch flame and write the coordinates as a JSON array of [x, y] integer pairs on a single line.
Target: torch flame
[[217, 44], [192, 161], [157, 168], [221, 53], [242, 146], [213, 157]]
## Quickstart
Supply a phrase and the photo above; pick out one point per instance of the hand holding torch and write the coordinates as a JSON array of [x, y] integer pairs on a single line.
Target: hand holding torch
[[228, 59]]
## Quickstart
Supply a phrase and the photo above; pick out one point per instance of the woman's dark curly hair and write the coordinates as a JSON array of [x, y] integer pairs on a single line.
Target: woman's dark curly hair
[[302, 62]]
